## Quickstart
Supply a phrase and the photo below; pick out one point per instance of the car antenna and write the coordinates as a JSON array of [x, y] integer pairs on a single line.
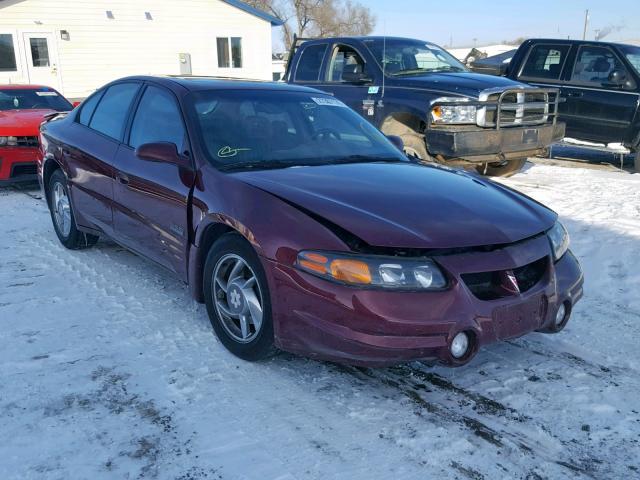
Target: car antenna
[[384, 55]]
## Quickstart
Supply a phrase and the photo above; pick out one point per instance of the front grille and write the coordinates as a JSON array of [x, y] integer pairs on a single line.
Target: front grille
[[518, 107], [490, 285], [27, 141], [24, 169]]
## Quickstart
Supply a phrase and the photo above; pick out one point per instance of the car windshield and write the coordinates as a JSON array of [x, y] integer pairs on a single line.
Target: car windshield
[[244, 129], [412, 57], [633, 55], [31, 99]]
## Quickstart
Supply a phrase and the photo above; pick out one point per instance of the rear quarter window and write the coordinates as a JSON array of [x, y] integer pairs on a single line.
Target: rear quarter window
[[310, 63], [88, 107], [111, 113]]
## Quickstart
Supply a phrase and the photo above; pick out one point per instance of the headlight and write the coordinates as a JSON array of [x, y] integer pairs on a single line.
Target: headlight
[[559, 239], [454, 114], [373, 271], [8, 141]]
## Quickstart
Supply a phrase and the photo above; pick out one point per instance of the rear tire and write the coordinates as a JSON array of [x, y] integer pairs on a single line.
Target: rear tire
[[505, 169], [64, 222], [238, 300]]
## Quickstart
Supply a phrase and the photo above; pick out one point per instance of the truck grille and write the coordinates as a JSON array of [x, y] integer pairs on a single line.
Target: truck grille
[[518, 107], [27, 141], [489, 285]]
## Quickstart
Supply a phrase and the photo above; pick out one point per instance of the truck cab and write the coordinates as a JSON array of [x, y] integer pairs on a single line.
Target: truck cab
[[418, 91], [600, 82]]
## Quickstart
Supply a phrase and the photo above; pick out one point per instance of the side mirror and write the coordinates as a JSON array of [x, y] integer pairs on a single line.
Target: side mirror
[[397, 142], [617, 77], [356, 77], [165, 152]]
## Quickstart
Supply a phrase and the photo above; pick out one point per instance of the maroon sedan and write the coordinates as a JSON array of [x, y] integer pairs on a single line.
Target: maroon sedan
[[301, 226]]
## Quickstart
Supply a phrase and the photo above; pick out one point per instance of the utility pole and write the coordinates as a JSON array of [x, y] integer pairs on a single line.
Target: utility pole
[[586, 24]]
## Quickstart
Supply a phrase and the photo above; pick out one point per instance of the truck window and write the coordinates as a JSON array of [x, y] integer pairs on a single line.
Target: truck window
[[545, 62], [308, 68], [594, 65], [346, 63]]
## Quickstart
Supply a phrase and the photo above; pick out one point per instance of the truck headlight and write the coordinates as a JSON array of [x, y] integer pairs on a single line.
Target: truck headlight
[[559, 240], [465, 114], [373, 271], [8, 141]]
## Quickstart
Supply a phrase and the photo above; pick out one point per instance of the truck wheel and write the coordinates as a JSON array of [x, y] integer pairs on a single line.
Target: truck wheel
[[64, 222], [414, 146], [238, 299], [501, 169]]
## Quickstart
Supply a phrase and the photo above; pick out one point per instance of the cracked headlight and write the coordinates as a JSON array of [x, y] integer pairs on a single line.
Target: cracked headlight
[[559, 240], [373, 271]]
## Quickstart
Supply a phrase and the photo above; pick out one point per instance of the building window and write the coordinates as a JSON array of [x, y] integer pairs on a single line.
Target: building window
[[229, 52], [39, 52], [7, 53]]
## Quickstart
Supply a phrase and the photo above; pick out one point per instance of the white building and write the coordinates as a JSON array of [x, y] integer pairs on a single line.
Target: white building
[[78, 45]]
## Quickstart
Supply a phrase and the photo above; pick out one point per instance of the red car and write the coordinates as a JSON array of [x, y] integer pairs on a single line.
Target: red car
[[22, 110], [301, 226]]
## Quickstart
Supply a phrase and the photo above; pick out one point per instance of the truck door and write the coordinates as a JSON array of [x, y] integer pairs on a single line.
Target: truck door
[[601, 100], [350, 78], [152, 197]]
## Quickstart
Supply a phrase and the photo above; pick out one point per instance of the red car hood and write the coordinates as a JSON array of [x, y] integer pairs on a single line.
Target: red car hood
[[22, 123], [408, 205]]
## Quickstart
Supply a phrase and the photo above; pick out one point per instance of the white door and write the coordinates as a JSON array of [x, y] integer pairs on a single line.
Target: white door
[[42, 59]]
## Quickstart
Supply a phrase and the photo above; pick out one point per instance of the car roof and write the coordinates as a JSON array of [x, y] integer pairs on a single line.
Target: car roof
[[364, 38], [18, 86], [196, 83], [574, 41]]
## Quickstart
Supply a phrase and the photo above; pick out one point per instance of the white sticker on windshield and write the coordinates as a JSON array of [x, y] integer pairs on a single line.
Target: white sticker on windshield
[[329, 102], [47, 94]]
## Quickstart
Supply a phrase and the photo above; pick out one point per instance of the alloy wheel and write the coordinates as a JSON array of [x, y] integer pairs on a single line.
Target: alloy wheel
[[61, 209], [238, 298]]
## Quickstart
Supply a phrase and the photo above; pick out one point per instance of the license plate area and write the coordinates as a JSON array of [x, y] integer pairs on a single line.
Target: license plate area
[[515, 320], [530, 136]]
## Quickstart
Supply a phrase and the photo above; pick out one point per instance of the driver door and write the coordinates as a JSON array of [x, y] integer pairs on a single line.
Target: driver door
[[598, 109]]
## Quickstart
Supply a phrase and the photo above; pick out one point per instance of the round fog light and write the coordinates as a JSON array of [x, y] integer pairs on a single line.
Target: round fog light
[[560, 314], [459, 345]]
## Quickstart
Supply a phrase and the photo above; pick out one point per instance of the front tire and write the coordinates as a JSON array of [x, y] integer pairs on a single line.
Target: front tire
[[414, 146], [64, 222], [502, 169], [238, 299]]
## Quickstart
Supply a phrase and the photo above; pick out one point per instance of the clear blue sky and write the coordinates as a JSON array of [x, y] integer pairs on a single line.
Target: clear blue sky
[[492, 21]]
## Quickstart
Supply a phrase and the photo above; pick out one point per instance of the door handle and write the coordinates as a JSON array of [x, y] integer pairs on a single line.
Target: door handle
[[574, 94], [123, 179]]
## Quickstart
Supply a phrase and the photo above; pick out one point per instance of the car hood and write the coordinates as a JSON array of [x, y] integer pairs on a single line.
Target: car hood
[[408, 205], [22, 122], [464, 83]]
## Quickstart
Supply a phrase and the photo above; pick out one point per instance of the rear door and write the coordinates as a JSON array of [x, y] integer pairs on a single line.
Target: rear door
[[151, 197], [90, 150], [598, 109]]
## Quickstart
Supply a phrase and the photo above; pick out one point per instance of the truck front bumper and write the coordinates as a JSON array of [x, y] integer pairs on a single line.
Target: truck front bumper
[[476, 144]]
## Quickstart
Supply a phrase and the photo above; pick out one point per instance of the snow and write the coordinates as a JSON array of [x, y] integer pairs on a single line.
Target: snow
[[110, 370]]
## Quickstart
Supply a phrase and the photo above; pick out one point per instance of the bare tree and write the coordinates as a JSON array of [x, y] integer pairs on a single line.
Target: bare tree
[[316, 18]]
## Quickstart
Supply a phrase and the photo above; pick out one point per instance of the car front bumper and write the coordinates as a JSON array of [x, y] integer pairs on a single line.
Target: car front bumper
[[476, 144], [323, 320], [18, 164]]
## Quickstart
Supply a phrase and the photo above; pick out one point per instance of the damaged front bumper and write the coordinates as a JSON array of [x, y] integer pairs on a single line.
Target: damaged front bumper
[[323, 320]]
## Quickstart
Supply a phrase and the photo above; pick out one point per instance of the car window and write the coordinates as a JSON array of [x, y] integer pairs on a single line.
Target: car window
[[545, 62], [157, 119], [111, 113], [267, 127], [594, 65], [88, 107], [308, 69], [633, 56], [346, 65]]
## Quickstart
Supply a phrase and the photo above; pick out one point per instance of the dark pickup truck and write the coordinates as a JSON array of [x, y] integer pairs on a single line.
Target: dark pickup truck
[[600, 82], [421, 93]]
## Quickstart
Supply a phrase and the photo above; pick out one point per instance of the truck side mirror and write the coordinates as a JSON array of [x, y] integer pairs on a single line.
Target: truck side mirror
[[617, 77], [356, 77]]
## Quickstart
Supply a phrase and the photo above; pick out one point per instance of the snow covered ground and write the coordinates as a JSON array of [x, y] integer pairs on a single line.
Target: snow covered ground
[[109, 370]]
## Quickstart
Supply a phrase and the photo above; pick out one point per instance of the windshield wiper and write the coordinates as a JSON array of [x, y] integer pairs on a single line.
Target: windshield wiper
[[366, 159], [259, 165]]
